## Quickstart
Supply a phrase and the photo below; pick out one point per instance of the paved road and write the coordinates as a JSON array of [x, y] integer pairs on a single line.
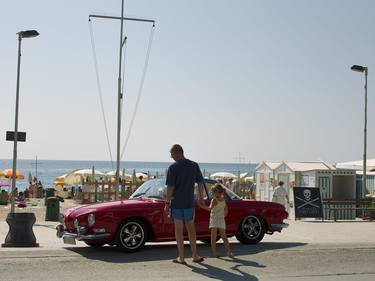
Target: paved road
[[266, 261], [305, 251]]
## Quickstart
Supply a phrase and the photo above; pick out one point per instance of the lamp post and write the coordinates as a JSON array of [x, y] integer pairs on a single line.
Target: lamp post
[[21, 34], [20, 224], [364, 69]]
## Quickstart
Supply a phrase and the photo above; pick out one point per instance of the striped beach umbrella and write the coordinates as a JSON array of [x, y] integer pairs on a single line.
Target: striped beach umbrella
[[8, 173]]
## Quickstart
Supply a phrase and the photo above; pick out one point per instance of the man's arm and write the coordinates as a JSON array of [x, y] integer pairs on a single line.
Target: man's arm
[[168, 198], [200, 200]]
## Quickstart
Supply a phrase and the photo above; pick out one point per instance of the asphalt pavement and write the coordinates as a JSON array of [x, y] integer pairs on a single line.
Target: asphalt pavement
[[307, 250]]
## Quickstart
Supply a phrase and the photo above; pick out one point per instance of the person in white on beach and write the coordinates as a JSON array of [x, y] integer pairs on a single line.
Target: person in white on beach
[[231, 185], [280, 195]]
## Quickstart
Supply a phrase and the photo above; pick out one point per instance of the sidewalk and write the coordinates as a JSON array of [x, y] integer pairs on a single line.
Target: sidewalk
[[305, 232]]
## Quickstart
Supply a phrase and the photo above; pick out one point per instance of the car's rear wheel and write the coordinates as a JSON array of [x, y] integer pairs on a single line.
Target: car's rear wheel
[[94, 244], [251, 230], [131, 236]]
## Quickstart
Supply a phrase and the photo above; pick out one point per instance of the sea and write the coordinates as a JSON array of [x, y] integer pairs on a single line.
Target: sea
[[47, 170]]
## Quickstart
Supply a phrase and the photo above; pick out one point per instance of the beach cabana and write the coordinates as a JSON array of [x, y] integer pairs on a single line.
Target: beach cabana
[[358, 165], [264, 177]]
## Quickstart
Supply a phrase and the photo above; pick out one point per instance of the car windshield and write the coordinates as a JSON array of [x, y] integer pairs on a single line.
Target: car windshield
[[156, 189], [150, 189]]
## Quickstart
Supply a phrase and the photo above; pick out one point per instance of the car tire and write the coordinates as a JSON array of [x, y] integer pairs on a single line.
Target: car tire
[[251, 230], [131, 236], [94, 244]]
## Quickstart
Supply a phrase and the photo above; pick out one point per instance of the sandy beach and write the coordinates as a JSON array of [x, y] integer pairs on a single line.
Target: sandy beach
[[39, 209]]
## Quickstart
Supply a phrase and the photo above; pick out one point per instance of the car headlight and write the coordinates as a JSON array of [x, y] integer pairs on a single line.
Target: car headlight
[[91, 220]]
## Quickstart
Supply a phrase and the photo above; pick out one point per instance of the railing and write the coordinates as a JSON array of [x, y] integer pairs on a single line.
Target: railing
[[349, 209]]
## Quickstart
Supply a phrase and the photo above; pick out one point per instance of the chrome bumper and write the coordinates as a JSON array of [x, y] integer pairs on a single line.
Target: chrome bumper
[[279, 225], [79, 236]]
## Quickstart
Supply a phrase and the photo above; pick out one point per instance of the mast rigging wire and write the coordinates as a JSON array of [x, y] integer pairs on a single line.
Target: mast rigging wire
[[139, 89], [99, 89]]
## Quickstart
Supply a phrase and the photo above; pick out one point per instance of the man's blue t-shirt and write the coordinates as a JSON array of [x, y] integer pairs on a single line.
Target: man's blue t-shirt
[[182, 175]]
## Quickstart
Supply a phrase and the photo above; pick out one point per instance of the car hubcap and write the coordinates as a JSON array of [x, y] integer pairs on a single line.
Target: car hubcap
[[132, 235], [251, 227]]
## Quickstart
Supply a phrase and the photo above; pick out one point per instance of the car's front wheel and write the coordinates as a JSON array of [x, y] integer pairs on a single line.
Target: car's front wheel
[[251, 230], [131, 235]]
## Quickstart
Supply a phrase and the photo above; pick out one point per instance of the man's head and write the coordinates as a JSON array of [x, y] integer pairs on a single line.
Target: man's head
[[281, 183], [177, 153]]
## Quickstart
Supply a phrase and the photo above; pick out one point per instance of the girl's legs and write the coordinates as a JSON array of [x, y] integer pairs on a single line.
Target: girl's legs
[[225, 240], [213, 242]]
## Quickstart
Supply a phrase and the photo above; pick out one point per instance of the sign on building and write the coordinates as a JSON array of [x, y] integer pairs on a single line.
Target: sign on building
[[307, 202]]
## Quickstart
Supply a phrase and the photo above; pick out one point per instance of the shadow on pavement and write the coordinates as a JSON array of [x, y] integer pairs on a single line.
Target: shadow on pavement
[[221, 274], [157, 252]]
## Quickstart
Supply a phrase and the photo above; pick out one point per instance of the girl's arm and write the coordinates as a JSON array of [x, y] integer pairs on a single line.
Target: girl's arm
[[225, 210]]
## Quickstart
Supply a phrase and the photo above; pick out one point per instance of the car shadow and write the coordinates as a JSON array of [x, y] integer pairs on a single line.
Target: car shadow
[[158, 252]]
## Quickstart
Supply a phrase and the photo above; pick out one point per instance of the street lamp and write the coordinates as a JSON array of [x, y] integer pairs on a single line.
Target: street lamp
[[20, 224], [21, 34], [364, 69]]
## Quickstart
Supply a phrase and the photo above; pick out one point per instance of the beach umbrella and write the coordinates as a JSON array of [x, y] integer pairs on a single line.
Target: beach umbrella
[[249, 178], [3, 183], [113, 173], [143, 175], [76, 176], [30, 178], [243, 175], [60, 180], [223, 175], [8, 173]]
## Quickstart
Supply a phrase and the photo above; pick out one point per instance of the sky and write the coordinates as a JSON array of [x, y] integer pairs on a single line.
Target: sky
[[231, 81]]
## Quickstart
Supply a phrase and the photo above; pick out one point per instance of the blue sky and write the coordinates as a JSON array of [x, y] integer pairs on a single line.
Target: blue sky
[[270, 80]]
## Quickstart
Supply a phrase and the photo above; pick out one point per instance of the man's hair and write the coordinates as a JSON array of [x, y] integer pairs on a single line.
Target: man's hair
[[281, 183], [176, 148]]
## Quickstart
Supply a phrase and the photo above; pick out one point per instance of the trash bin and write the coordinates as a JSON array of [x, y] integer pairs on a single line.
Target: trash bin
[[49, 192], [52, 209]]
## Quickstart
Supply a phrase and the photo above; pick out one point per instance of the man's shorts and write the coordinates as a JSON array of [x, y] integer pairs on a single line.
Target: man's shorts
[[183, 214]]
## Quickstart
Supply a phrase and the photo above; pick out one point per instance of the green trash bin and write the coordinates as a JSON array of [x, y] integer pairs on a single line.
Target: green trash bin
[[49, 192], [52, 209]]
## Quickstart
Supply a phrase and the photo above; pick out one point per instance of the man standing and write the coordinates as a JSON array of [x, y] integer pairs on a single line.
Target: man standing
[[181, 178], [280, 194]]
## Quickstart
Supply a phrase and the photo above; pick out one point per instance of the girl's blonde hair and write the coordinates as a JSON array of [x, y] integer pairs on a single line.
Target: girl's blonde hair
[[217, 188]]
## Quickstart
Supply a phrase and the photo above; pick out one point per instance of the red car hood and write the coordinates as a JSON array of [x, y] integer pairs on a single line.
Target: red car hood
[[80, 210]]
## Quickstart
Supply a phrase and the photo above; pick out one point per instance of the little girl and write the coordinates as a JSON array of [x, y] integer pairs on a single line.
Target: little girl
[[219, 210]]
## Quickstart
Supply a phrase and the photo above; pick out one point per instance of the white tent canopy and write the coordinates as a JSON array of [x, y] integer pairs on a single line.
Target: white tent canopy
[[357, 165]]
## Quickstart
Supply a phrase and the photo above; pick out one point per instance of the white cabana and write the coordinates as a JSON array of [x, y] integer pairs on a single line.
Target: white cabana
[[357, 165]]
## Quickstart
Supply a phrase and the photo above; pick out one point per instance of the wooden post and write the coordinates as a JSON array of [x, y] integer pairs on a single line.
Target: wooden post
[[109, 190], [103, 183], [96, 190]]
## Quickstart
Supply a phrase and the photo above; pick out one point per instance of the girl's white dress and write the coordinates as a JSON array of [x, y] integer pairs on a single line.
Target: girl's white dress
[[217, 219]]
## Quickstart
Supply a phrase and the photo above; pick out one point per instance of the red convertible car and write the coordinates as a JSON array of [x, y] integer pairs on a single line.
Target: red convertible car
[[130, 223]]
